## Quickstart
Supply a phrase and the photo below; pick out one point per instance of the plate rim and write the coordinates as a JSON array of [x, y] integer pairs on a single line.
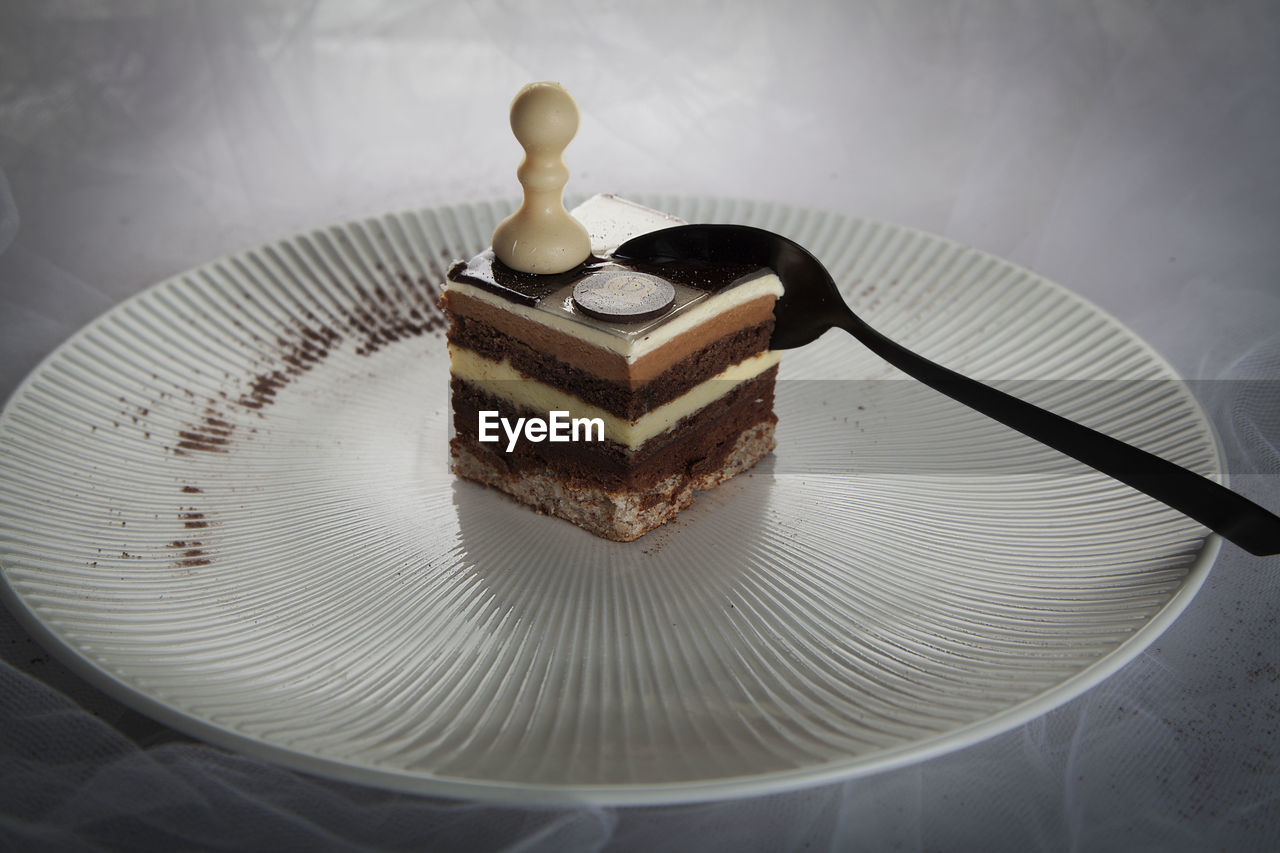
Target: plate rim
[[630, 794]]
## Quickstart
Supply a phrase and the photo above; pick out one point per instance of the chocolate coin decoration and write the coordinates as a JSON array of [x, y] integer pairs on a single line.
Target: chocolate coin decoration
[[623, 297]]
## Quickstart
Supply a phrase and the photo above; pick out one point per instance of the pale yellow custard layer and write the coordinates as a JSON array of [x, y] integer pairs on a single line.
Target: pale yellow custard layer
[[502, 380]]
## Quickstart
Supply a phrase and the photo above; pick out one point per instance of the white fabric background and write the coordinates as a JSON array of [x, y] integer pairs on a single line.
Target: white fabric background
[[1127, 150]]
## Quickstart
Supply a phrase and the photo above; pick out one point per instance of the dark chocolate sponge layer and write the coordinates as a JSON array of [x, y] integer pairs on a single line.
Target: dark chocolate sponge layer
[[696, 444]]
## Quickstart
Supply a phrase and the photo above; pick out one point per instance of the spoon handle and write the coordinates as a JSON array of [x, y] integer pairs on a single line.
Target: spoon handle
[[1236, 518]]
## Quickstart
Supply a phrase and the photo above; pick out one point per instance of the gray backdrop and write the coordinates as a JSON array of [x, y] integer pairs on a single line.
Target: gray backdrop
[[1127, 150]]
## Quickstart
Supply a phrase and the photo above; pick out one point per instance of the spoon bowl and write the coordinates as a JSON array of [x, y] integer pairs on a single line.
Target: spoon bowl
[[811, 304]]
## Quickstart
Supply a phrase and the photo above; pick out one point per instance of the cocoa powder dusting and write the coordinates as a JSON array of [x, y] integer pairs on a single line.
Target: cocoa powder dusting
[[192, 554], [380, 314], [192, 520]]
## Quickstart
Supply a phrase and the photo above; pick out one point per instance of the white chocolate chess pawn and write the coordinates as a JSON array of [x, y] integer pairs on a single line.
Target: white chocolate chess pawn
[[541, 237]]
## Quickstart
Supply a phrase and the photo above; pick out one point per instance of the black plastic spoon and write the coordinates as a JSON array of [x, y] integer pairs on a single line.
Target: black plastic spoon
[[811, 304]]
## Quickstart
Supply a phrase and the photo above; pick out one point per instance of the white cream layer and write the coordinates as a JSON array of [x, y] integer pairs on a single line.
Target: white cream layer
[[502, 380]]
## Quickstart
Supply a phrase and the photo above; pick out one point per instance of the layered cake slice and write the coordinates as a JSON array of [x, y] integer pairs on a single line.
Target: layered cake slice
[[606, 393]]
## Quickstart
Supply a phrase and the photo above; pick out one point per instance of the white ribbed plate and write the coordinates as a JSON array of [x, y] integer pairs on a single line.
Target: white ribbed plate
[[226, 502]]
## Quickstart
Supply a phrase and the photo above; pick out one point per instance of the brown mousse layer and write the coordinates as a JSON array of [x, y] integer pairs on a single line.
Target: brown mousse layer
[[604, 363], [696, 445], [618, 399]]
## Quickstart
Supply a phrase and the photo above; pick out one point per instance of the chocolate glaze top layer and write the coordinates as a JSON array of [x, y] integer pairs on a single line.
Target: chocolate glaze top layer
[[693, 281]]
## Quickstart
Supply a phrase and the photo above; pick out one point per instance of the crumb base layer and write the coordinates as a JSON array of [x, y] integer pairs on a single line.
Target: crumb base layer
[[623, 515]]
